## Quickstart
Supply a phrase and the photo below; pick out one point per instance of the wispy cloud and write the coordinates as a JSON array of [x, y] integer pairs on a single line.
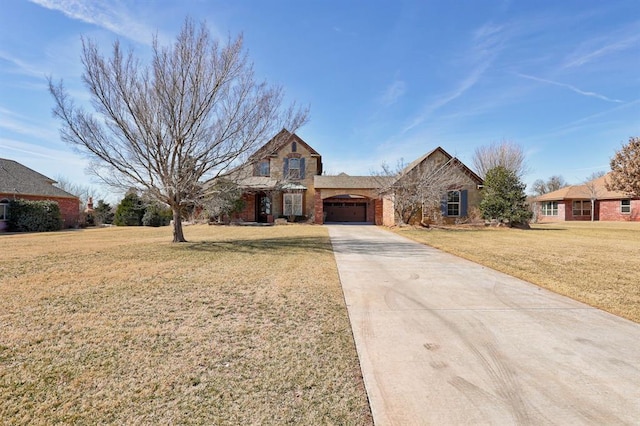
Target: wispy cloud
[[592, 50], [111, 15], [570, 87], [16, 123], [20, 66], [486, 44], [393, 92]]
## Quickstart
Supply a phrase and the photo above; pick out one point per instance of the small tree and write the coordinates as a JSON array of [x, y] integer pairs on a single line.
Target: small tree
[[223, 198], [130, 211], [156, 215], [192, 114], [593, 191], [418, 187], [504, 198], [506, 154], [625, 169], [103, 213]]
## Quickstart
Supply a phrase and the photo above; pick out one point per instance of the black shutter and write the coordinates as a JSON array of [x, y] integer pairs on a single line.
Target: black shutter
[[463, 203]]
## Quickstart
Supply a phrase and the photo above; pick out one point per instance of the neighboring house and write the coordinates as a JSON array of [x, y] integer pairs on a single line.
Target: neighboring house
[[284, 179], [20, 182], [575, 203]]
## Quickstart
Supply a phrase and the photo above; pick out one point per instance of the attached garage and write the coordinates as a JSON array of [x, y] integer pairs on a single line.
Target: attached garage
[[345, 212]]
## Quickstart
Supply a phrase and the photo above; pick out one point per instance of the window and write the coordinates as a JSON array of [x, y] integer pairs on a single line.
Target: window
[[550, 208], [625, 206], [292, 205], [294, 147], [4, 209], [294, 168], [263, 168], [582, 208], [453, 203]]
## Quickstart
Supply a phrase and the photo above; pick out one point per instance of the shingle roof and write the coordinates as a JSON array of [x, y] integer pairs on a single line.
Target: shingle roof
[[21, 180], [577, 192], [349, 182]]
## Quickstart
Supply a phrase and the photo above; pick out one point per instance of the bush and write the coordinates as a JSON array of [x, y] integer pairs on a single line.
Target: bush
[[156, 215], [34, 216], [130, 211], [103, 213]]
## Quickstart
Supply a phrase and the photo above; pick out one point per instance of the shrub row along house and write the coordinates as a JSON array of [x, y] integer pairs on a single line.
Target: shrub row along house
[[284, 179], [18, 182], [591, 200]]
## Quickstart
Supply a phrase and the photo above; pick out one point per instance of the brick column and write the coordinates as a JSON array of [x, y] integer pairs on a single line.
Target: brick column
[[319, 211]]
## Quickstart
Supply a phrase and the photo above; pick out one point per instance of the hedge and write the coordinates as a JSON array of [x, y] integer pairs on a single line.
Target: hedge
[[34, 216]]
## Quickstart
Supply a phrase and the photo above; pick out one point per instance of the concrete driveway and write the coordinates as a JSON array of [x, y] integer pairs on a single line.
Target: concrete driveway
[[445, 341]]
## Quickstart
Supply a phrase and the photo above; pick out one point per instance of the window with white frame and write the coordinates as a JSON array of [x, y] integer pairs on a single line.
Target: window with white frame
[[582, 208], [453, 203], [292, 204], [4, 209], [625, 206], [550, 208], [294, 168]]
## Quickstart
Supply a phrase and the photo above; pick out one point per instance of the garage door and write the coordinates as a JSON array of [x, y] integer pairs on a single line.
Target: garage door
[[345, 212]]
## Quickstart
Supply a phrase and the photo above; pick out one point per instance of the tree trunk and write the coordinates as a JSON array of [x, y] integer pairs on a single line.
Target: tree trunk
[[178, 236]]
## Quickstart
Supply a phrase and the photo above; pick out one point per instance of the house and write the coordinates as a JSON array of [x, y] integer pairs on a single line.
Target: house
[[278, 180], [284, 179], [20, 182], [576, 202]]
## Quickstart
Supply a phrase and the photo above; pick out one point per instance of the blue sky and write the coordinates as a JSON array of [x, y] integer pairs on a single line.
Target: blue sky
[[384, 79]]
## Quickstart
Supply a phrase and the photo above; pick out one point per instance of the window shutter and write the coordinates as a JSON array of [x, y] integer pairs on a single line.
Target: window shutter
[[285, 169], [463, 203], [443, 205], [302, 168]]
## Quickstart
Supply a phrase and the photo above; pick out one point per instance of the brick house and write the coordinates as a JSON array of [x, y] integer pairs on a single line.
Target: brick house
[[278, 180], [284, 179], [575, 203], [20, 182]]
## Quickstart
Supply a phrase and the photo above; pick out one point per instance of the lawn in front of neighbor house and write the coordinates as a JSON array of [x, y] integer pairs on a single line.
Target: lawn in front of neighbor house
[[595, 262], [242, 325]]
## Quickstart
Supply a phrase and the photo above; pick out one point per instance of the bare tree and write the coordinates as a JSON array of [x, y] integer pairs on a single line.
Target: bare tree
[[193, 112], [625, 169], [83, 192], [418, 187], [554, 183], [506, 154], [593, 191]]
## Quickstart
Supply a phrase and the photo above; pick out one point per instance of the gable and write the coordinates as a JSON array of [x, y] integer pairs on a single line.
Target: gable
[[439, 155], [281, 142]]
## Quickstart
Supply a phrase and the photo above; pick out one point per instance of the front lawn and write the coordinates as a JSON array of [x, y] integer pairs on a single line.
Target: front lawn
[[243, 325], [597, 263]]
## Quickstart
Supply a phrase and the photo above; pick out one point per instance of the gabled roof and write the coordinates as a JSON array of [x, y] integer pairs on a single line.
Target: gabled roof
[[284, 137], [344, 181], [20, 180], [450, 158], [577, 192]]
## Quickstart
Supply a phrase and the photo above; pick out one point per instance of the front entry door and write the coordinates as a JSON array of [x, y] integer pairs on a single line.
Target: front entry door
[[263, 207]]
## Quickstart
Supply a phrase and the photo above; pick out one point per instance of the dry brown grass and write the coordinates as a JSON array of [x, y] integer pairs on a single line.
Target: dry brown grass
[[596, 263], [241, 326]]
